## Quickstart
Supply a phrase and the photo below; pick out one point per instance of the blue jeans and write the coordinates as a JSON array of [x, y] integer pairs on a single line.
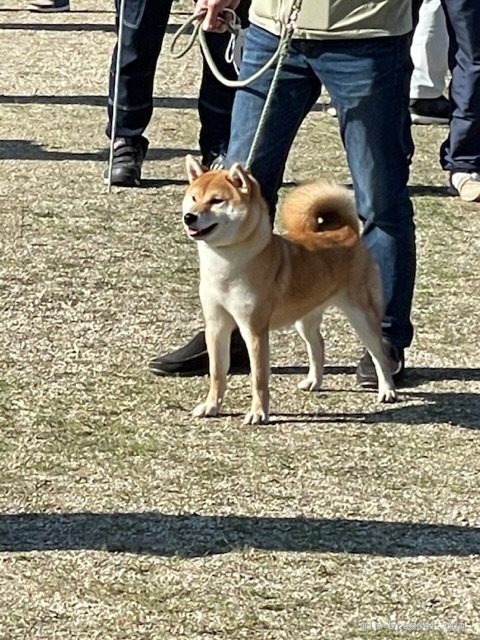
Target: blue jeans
[[368, 81], [461, 150]]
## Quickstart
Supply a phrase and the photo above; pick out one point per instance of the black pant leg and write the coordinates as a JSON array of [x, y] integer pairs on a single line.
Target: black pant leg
[[215, 100], [144, 28], [461, 151]]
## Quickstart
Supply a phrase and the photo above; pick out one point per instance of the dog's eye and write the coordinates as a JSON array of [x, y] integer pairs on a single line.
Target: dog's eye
[[216, 200]]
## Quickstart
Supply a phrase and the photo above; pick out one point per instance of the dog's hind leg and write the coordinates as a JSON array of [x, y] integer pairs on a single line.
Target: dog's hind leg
[[218, 333], [366, 323], [309, 329]]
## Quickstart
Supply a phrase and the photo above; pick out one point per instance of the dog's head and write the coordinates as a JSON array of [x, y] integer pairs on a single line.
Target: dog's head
[[221, 207]]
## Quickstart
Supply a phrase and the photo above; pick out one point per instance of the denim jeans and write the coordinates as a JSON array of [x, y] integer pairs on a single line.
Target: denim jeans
[[368, 81], [461, 150]]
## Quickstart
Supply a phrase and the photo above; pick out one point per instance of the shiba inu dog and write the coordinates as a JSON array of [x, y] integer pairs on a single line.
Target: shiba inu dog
[[257, 280]]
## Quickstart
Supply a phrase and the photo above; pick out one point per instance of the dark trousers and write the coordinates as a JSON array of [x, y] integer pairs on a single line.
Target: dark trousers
[[461, 150], [215, 100], [144, 29]]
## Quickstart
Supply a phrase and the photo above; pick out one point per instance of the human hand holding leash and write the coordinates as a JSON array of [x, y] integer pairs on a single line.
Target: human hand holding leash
[[210, 10]]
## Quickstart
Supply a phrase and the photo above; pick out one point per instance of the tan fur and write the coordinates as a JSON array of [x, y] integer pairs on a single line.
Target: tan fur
[[257, 280]]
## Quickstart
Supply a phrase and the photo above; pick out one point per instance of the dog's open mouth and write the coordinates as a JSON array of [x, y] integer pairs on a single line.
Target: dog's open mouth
[[200, 233]]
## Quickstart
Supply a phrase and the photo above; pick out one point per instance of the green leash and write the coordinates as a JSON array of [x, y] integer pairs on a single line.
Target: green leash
[[278, 58]]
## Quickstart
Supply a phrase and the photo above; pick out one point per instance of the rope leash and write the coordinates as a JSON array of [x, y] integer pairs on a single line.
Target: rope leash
[[195, 21], [286, 34], [283, 52]]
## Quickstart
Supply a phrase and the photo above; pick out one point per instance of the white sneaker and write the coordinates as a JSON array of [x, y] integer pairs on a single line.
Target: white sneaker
[[49, 6], [467, 185]]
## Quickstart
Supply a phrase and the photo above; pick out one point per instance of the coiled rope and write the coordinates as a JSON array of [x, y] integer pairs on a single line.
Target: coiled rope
[[286, 34]]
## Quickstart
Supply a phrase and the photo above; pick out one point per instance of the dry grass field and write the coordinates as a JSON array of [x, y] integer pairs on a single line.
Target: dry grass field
[[121, 517]]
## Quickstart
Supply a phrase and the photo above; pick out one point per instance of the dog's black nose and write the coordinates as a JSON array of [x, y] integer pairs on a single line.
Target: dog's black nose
[[190, 218]]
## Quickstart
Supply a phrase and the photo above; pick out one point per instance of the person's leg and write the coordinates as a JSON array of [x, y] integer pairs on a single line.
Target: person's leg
[[215, 100], [369, 83], [429, 53], [143, 32], [294, 96], [460, 153], [144, 28]]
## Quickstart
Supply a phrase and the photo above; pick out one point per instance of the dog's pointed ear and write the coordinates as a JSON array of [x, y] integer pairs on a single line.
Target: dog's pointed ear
[[239, 178], [194, 168]]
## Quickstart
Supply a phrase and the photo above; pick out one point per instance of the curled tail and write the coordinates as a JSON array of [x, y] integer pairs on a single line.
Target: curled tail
[[321, 214]]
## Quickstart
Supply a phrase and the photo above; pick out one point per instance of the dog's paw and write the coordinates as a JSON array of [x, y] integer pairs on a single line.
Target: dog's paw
[[205, 410], [387, 395], [310, 384], [256, 417]]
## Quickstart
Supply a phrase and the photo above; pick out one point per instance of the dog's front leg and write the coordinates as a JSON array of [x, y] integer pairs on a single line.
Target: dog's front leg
[[218, 335], [258, 351]]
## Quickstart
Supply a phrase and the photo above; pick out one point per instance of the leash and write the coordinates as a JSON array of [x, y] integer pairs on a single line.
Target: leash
[[287, 28], [284, 44], [195, 21], [115, 93]]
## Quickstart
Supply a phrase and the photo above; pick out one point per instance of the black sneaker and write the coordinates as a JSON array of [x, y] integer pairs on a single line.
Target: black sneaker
[[192, 359], [366, 374], [49, 6], [214, 160], [128, 156], [430, 110]]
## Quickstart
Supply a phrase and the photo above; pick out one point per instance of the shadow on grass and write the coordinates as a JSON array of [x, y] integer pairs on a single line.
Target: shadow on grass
[[192, 535], [27, 150], [413, 376], [421, 190], [23, 10], [456, 409], [461, 409], [60, 26], [71, 26], [93, 100]]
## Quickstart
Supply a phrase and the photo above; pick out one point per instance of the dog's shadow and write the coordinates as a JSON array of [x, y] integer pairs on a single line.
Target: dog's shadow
[[413, 377], [460, 409]]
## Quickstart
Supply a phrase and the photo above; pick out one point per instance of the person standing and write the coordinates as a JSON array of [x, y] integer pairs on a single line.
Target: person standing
[[145, 24], [360, 53]]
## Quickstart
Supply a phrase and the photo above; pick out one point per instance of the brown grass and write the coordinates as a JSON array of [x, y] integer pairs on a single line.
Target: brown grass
[[124, 518]]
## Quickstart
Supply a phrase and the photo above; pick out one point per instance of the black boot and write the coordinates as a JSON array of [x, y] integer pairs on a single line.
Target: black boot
[[128, 156], [192, 359]]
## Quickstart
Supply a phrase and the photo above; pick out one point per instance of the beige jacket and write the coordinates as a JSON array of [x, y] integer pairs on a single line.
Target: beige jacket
[[322, 19]]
